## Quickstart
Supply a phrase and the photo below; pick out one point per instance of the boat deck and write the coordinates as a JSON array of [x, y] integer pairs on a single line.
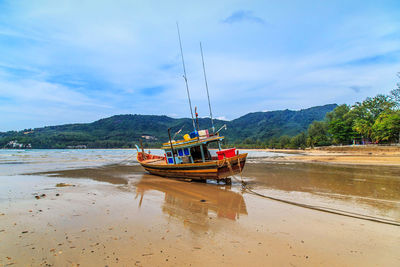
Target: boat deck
[[155, 161]]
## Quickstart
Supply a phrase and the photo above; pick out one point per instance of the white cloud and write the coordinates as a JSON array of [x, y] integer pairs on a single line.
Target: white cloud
[[66, 55], [223, 118], [44, 92]]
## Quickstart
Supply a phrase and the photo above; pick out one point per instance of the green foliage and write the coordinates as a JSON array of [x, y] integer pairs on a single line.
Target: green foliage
[[395, 95], [318, 134], [284, 141], [387, 127], [299, 141], [375, 119], [366, 113], [340, 125], [273, 143]]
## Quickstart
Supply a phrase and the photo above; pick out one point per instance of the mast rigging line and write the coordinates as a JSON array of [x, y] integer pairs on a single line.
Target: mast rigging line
[[205, 80], [184, 75], [177, 132]]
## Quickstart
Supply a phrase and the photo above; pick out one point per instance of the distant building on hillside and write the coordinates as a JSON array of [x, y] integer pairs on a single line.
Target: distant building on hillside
[[15, 145], [149, 137]]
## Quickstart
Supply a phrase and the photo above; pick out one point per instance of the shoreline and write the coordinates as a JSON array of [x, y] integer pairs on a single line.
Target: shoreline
[[373, 155], [346, 155]]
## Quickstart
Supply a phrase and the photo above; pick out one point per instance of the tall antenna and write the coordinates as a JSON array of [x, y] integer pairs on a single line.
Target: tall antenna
[[208, 95], [184, 76]]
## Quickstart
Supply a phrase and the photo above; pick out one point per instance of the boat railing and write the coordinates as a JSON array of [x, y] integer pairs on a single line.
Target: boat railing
[[148, 156]]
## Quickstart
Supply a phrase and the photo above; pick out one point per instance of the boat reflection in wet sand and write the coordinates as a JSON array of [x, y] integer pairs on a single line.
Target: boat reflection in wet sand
[[194, 203]]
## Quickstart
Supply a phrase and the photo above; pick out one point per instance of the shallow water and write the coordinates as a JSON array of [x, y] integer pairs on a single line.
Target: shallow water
[[13, 161]]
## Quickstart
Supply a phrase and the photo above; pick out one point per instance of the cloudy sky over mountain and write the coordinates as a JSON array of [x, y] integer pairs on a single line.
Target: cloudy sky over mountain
[[79, 61]]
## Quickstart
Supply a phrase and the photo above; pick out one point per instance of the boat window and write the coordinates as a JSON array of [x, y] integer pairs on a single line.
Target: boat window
[[213, 144], [170, 160], [180, 152], [169, 154], [213, 152], [186, 150], [196, 153]]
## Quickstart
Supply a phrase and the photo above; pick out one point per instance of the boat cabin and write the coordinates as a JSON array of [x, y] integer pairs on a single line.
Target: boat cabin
[[193, 149]]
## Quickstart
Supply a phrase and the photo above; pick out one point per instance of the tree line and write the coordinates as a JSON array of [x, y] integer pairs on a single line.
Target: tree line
[[374, 120]]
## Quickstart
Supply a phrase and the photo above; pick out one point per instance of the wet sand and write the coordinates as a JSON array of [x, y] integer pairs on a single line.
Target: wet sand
[[117, 215], [348, 155]]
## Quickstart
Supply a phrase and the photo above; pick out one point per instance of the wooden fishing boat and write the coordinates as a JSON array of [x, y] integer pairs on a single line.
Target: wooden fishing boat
[[191, 159]]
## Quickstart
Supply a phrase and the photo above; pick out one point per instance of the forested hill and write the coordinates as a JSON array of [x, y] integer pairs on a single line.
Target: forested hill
[[125, 130], [265, 125]]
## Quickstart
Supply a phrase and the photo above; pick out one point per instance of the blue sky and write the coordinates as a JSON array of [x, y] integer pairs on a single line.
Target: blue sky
[[79, 61]]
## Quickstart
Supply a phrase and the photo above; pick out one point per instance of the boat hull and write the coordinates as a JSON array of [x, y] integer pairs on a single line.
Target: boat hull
[[215, 169]]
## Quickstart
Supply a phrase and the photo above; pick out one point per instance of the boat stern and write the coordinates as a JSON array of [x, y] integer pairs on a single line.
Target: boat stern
[[231, 166]]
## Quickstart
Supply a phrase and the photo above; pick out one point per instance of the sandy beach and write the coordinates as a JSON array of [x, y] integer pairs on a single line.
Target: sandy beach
[[117, 215], [354, 155]]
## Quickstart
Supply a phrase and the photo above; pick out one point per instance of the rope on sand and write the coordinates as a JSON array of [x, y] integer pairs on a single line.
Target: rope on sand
[[247, 188]]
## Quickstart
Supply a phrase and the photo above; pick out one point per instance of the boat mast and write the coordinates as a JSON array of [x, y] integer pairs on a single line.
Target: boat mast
[[184, 76], [172, 148], [208, 95]]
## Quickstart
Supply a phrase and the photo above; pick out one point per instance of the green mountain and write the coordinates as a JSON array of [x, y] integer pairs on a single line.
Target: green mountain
[[265, 125], [126, 130]]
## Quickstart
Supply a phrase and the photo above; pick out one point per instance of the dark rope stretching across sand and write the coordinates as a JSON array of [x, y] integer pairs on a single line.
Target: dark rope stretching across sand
[[323, 209]]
